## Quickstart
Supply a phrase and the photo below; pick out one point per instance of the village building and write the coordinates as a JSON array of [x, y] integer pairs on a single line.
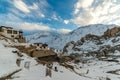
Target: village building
[[42, 52], [12, 34], [41, 46], [44, 55], [39, 51]]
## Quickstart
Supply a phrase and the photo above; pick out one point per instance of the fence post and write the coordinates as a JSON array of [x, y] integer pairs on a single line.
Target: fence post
[[27, 65], [18, 62]]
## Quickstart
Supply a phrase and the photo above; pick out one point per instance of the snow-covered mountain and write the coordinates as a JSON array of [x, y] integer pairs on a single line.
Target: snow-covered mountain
[[44, 37], [59, 41], [92, 44]]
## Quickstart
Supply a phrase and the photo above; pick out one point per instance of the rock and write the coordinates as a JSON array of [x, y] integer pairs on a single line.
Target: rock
[[112, 32]]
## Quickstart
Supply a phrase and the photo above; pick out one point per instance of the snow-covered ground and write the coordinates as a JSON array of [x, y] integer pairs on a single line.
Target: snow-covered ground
[[38, 73], [92, 70], [7, 60], [35, 72]]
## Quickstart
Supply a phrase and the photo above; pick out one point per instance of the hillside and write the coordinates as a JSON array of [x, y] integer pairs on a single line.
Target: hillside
[[44, 37], [11, 71], [94, 45], [94, 57], [87, 69], [7, 61], [60, 41]]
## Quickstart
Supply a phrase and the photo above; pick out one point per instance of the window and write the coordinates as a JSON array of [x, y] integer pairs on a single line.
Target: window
[[38, 44], [20, 32], [12, 36], [1, 29], [14, 32], [9, 31]]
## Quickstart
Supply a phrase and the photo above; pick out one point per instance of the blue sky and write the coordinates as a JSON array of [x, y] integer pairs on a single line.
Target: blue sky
[[57, 15]]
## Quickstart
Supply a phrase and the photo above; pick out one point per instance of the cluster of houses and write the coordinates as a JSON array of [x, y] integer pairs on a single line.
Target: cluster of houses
[[36, 50], [12, 33], [42, 51]]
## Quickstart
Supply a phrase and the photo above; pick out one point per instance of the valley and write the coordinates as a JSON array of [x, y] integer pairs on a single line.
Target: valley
[[92, 56]]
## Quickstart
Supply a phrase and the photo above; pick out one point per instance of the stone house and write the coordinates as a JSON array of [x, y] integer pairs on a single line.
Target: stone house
[[41, 46], [11, 33], [47, 55]]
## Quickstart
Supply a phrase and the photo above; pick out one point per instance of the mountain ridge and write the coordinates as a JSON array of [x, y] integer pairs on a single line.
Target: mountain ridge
[[97, 45], [58, 42]]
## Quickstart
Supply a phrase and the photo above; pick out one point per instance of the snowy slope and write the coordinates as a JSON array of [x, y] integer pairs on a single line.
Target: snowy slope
[[94, 44], [7, 60], [60, 42], [38, 73], [97, 70], [43, 36], [35, 72], [93, 69]]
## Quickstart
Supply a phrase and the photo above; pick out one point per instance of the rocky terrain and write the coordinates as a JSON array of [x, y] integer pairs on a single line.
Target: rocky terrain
[[58, 41], [106, 45]]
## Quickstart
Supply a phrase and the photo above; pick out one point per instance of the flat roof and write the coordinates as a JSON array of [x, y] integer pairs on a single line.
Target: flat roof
[[11, 28], [6, 27], [37, 43], [42, 53]]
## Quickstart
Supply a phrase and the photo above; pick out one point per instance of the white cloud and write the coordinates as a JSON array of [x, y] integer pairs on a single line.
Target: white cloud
[[64, 31], [9, 17], [28, 26], [66, 21], [21, 6], [96, 11], [41, 15], [34, 26], [85, 3], [82, 4], [83, 18], [36, 10], [34, 7], [55, 17]]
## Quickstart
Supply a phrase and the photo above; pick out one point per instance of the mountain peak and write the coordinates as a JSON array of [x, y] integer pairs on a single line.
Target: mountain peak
[[58, 41]]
